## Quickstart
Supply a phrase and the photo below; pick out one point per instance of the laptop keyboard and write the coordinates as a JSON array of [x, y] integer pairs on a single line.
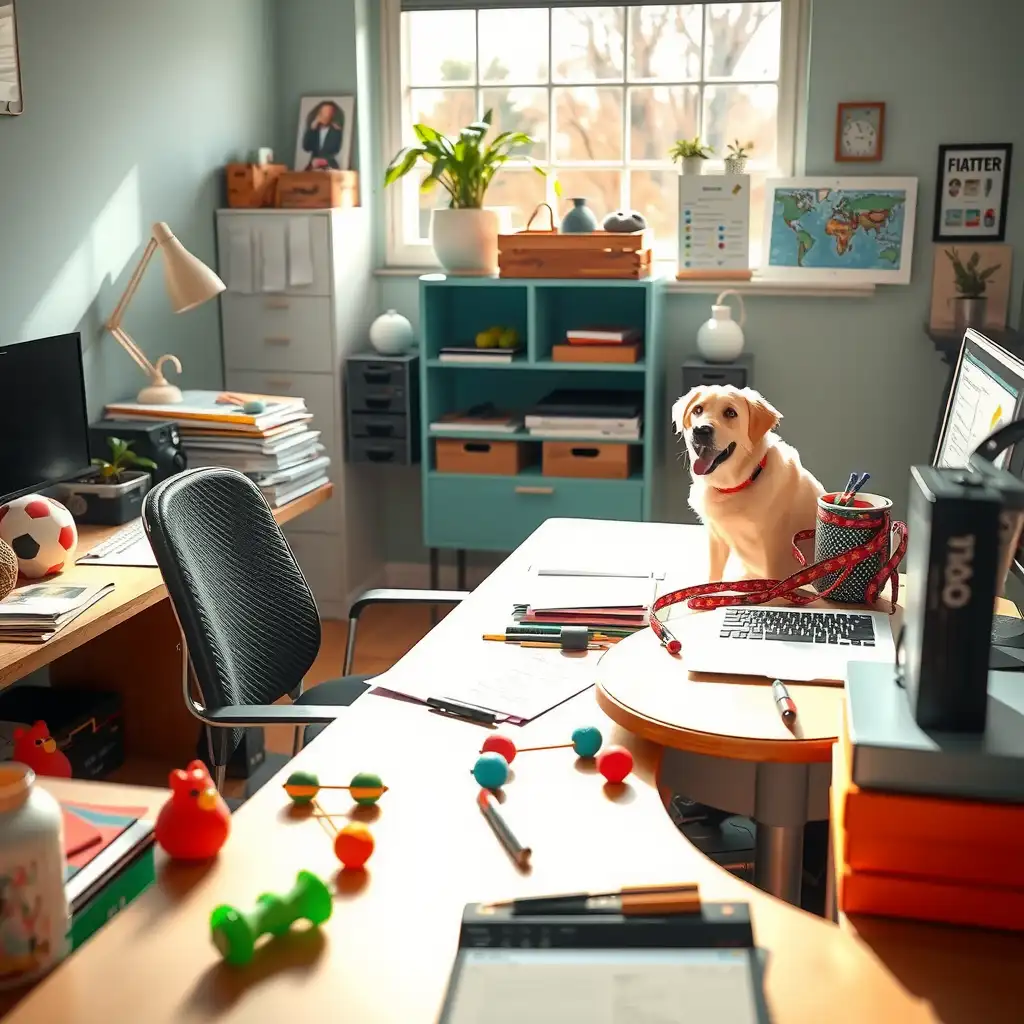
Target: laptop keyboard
[[843, 629]]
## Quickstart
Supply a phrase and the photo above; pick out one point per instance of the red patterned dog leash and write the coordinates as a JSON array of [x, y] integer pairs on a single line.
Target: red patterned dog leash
[[707, 596]]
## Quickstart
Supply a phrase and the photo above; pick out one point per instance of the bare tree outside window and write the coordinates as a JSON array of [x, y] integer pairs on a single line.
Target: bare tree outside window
[[604, 91]]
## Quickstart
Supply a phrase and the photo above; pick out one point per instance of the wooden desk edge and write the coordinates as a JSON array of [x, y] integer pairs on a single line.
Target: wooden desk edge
[[737, 748], [16, 664]]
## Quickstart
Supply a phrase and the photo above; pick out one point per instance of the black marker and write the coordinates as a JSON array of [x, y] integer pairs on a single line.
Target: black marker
[[459, 710]]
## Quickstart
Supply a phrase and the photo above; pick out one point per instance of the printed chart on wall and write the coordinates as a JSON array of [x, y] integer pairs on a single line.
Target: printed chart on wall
[[982, 403], [714, 222], [853, 229]]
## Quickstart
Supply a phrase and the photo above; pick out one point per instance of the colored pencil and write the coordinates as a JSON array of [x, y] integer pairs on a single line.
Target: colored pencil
[[489, 806]]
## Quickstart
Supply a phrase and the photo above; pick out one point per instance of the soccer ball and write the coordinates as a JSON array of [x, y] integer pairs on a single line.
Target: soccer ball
[[41, 532]]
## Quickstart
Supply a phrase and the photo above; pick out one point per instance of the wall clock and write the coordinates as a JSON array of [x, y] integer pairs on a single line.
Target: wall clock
[[860, 132]]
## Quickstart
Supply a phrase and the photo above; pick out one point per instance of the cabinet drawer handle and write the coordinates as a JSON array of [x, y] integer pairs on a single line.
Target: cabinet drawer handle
[[279, 382], [278, 341], [380, 454], [535, 490], [378, 403], [380, 429], [477, 447], [277, 304], [585, 453], [376, 377]]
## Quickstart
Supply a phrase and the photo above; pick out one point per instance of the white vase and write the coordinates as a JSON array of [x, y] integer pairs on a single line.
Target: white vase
[[391, 334], [693, 164], [34, 916], [720, 339], [466, 241]]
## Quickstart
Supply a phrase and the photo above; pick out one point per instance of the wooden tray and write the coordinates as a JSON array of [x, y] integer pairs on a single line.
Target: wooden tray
[[599, 254]]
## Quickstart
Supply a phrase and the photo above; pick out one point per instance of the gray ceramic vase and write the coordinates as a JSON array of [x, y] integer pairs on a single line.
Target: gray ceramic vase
[[580, 220]]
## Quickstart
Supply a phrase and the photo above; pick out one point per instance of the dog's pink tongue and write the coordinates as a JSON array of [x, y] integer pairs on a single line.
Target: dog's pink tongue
[[702, 463]]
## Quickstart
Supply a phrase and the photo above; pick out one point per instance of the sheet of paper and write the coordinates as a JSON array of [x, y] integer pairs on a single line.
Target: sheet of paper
[[240, 263], [519, 682], [592, 568], [300, 252], [604, 986], [549, 592], [273, 256]]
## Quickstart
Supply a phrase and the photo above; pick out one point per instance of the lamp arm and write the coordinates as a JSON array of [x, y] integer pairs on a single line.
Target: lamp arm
[[128, 344], [133, 286]]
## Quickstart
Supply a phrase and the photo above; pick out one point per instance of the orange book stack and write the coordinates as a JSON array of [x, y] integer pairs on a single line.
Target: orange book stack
[[924, 857]]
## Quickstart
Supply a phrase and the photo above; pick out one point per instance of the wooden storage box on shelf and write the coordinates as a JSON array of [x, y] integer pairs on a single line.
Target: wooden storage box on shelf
[[468, 455], [548, 254], [588, 459], [621, 352], [318, 190], [251, 186]]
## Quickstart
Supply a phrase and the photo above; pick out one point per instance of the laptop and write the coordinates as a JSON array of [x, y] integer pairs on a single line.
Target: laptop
[[799, 644]]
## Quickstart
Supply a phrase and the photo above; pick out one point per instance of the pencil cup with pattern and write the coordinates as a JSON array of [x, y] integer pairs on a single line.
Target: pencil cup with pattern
[[34, 917], [832, 539]]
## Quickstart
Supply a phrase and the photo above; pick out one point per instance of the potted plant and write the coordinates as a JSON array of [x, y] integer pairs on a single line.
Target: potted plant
[[464, 234], [736, 161], [112, 495], [969, 306], [690, 154]]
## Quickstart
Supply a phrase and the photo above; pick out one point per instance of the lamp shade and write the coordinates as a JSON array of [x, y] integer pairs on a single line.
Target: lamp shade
[[190, 282]]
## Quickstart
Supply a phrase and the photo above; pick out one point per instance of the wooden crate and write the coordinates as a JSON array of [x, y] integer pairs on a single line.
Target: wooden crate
[[587, 459], [468, 455], [251, 186], [594, 255], [318, 190]]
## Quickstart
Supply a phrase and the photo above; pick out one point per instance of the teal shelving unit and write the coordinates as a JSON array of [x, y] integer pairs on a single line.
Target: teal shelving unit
[[496, 513]]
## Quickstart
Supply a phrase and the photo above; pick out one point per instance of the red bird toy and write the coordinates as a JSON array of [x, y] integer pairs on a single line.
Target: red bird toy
[[38, 749], [194, 823]]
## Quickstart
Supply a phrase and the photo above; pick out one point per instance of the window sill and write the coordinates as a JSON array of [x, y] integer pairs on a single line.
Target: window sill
[[756, 286]]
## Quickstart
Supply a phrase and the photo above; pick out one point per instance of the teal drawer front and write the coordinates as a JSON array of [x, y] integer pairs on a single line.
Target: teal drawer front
[[481, 513]]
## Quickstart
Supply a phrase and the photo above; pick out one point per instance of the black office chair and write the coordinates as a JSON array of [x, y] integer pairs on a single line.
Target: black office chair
[[248, 618]]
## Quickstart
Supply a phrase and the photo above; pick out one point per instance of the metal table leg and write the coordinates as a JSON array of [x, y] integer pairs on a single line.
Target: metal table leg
[[780, 811], [460, 569], [435, 580]]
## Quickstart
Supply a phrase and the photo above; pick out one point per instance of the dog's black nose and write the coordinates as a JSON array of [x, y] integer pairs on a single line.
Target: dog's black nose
[[703, 434]]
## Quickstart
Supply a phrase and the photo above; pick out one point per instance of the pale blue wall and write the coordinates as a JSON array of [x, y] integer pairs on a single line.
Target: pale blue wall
[[131, 111], [857, 379]]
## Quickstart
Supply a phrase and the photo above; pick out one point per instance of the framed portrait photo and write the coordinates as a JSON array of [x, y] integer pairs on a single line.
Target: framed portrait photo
[[324, 137], [972, 192]]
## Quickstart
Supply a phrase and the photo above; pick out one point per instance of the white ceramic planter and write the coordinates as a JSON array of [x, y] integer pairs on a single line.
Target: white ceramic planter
[[466, 241], [693, 164]]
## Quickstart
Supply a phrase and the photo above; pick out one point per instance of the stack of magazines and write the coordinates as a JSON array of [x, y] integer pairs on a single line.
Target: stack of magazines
[[568, 412], [33, 614], [274, 443]]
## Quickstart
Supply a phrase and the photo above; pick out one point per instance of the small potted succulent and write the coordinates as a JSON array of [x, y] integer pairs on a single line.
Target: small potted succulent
[[690, 154], [738, 153], [970, 304], [113, 494]]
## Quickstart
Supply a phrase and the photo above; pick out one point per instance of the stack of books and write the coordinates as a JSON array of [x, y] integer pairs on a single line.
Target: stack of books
[[929, 826], [600, 345], [276, 446], [485, 418], [482, 356], [616, 605], [569, 413], [34, 614]]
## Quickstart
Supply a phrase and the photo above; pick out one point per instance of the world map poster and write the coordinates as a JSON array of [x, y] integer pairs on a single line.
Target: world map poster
[[857, 229]]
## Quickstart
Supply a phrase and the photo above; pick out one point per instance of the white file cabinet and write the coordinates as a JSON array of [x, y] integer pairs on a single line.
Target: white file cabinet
[[299, 300]]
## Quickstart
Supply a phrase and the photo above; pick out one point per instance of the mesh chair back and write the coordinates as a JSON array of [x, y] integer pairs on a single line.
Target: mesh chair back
[[248, 616]]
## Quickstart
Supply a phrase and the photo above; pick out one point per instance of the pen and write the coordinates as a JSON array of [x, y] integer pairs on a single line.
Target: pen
[[783, 701], [665, 899], [841, 500], [489, 806], [459, 710]]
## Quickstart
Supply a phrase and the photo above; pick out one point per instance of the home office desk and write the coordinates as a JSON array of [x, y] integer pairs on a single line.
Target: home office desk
[[128, 642], [385, 955]]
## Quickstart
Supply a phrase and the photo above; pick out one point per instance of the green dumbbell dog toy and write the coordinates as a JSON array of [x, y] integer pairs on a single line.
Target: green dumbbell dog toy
[[235, 934]]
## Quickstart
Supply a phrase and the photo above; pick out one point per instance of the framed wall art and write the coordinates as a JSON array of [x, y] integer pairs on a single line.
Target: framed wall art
[[324, 141], [10, 63], [972, 192]]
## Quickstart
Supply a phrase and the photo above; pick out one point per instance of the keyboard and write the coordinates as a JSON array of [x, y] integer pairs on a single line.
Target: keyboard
[[842, 629], [127, 546]]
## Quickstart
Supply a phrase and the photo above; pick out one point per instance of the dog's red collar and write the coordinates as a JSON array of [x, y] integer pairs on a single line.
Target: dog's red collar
[[746, 483]]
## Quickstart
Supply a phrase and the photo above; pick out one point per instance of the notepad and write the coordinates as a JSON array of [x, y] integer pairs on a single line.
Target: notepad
[[545, 593]]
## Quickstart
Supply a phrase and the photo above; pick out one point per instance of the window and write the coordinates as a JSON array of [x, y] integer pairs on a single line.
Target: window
[[604, 90]]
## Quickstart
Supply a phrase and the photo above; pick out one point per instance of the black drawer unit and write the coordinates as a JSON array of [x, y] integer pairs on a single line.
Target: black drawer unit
[[700, 374], [383, 408]]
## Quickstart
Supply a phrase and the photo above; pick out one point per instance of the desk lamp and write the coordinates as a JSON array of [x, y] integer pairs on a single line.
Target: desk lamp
[[189, 282]]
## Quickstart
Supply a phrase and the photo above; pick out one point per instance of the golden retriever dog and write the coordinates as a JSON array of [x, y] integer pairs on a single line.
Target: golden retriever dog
[[749, 488]]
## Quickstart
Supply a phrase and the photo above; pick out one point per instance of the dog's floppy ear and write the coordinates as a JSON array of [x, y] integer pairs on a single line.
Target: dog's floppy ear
[[763, 415], [682, 407]]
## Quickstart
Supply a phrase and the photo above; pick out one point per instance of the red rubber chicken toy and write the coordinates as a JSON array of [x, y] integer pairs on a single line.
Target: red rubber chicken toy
[[35, 747], [194, 823]]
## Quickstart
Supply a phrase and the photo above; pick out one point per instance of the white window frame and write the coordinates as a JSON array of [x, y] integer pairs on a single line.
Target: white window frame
[[791, 145]]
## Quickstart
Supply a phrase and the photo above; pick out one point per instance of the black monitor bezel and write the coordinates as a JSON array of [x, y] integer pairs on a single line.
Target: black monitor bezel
[[42, 485]]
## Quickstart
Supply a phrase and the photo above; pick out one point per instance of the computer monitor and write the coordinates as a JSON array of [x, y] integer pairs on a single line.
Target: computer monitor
[[987, 392], [44, 435]]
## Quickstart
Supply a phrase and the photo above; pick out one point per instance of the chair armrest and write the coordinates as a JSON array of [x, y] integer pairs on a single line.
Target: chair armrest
[[388, 595], [257, 715]]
